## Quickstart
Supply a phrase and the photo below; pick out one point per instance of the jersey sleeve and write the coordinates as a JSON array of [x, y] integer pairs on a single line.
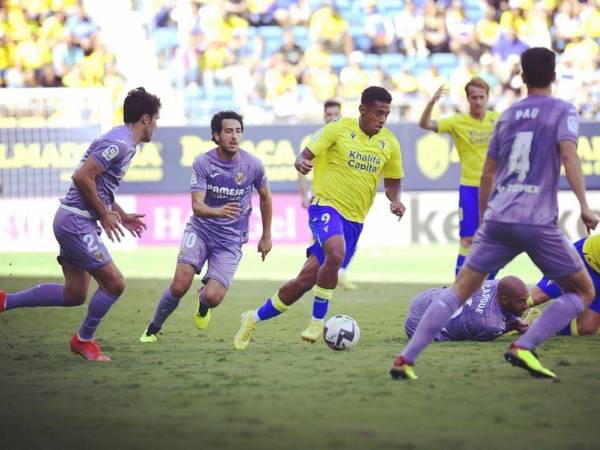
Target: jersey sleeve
[[446, 125], [323, 139], [568, 125], [260, 178], [393, 166], [198, 182], [108, 154]]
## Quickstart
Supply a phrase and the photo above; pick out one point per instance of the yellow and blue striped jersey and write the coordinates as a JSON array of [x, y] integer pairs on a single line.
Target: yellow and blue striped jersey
[[471, 137], [348, 165]]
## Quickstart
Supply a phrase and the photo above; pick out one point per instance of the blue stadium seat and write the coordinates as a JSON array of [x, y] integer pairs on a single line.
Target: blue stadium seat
[[391, 62], [302, 36], [338, 61], [474, 13], [371, 61], [444, 59], [273, 37]]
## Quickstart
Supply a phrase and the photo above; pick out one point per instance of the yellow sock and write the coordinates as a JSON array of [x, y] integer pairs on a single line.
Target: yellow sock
[[277, 303]]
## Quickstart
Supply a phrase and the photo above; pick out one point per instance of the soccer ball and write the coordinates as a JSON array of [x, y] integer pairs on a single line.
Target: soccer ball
[[341, 332]]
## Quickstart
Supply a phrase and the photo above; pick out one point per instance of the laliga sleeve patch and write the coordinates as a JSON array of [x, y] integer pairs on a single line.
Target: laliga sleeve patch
[[194, 178], [573, 124], [110, 152]]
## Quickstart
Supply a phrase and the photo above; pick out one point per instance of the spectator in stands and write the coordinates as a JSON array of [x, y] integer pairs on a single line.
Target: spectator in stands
[[434, 27], [379, 28], [409, 30], [331, 29]]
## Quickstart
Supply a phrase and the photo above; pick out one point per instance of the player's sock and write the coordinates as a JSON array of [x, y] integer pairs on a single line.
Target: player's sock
[[99, 305], [40, 295], [202, 306], [570, 330], [437, 315], [555, 317], [271, 308], [166, 305], [321, 302], [460, 259]]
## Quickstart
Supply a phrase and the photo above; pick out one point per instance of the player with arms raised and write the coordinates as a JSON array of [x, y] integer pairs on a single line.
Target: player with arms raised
[[357, 153], [471, 133], [91, 198], [222, 182], [523, 163]]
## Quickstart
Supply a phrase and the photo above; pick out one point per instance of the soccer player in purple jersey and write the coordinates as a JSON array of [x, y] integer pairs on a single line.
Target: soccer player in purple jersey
[[531, 140], [221, 186], [91, 199], [494, 309]]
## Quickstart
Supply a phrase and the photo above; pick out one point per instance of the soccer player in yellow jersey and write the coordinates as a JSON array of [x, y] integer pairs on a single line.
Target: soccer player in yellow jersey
[[471, 133], [349, 157], [331, 111], [588, 321]]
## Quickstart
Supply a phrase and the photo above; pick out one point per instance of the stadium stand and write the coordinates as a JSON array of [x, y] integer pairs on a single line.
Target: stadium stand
[[203, 55]]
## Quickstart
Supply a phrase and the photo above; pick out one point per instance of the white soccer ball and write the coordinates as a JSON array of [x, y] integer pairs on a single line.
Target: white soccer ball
[[341, 332]]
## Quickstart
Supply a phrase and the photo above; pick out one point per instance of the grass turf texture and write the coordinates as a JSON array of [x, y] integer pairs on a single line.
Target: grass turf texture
[[192, 390]]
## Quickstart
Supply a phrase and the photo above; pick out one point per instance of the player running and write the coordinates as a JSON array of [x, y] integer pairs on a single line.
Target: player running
[[495, 309], [91, 199], [471, 133], [349, 158], [331, 111], [588, 321], [221, 187], [523, 163]]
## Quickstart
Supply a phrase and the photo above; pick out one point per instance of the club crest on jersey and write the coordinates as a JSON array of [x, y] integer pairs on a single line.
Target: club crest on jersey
[[352, 134], [381, 144], [239, 178], [99, 256], [110, 152]]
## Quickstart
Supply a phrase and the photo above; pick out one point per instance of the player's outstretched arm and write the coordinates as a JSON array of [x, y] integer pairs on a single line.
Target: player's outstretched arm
[[200, 209], [425, 121], [131, 221], [85, 181], [393, 190], [266, 213], [303, 162], [572, 165], [488, 176]]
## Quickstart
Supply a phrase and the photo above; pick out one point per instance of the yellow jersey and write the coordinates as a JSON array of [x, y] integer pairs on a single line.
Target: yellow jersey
[[471, 137], [348, 165], [591, 251]]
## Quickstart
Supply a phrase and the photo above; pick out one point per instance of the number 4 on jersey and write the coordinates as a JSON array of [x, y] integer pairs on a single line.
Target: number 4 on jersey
[[518, 161]]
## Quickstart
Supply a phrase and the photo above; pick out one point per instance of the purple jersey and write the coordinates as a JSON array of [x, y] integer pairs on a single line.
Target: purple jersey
[[224, 182], [525, 146], [480, 318], [113, 151]]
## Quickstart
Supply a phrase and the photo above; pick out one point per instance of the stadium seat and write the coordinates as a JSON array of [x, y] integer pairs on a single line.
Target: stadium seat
[[302, 36], [338, 61], [371, 61], [391, 62]]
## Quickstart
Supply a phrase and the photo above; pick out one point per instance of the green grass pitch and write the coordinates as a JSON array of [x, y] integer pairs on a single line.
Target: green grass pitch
[[192, 390]]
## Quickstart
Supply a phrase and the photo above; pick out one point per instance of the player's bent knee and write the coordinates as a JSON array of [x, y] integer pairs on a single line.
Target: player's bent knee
[[179, 289], [335, 258], [74, 298], [586, 329], [213, 298], [116, 287]]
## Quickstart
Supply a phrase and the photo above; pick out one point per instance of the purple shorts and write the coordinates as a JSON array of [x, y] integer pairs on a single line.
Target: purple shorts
[[223, 258], [79, 240], [497, 243], [416, 311]]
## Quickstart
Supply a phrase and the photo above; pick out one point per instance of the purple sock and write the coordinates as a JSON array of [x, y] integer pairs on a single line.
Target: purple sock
[[40, 295], [555, 317], [437, 315], [99, 305], [166, 305]]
